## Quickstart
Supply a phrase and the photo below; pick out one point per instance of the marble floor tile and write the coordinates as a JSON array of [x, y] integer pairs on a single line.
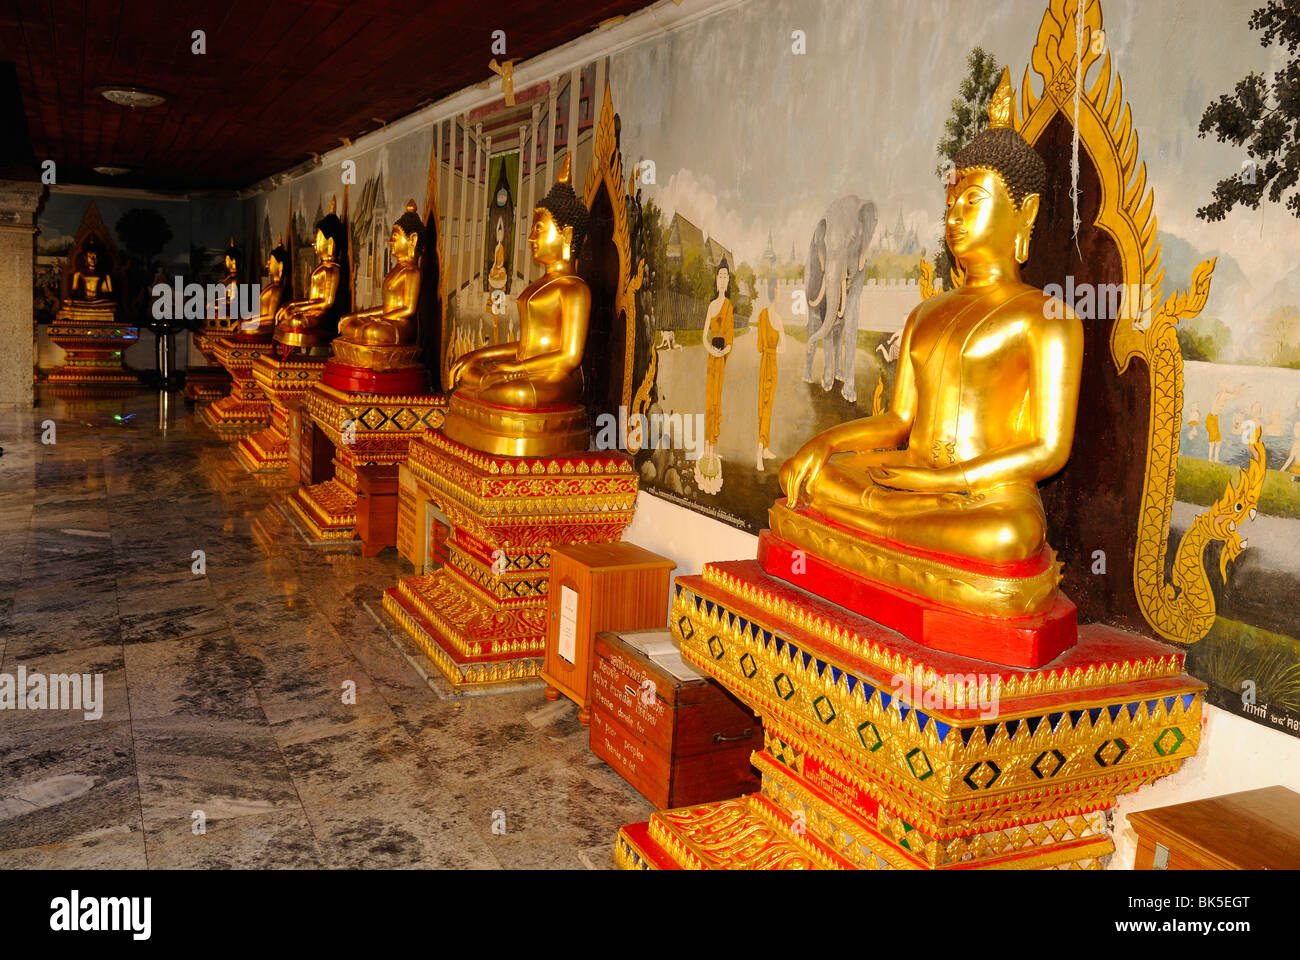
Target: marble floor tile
[[260, 841], [100, 688], [109, 850], [66, 783], [223, 768], [197, 677]]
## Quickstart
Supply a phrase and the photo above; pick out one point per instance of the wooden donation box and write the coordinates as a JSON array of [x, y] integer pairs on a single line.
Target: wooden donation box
[[1254, 830], [311, 455], [671, 732], [595, 587], [376, 507]]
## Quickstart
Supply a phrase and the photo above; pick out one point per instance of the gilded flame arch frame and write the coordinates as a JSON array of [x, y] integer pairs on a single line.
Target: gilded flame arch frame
[[1182, 611], [607, 168]]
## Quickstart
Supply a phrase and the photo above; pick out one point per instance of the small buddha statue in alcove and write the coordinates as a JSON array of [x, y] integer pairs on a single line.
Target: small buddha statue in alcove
[[271, 294], [983, 407], [305, 323], [522, 397], [91, 291], [224, 308], [542, 367], [384, 338]]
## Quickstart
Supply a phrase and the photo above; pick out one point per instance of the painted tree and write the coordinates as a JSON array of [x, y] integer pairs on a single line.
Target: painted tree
[[970, 108], [1264, 117], [968, 118]]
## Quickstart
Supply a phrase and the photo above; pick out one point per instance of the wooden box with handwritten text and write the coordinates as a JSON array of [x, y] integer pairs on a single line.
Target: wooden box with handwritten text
[[678, 741]]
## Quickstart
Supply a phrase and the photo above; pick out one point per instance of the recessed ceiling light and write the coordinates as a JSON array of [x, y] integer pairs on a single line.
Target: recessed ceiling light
[[111, 171], [131, 96]]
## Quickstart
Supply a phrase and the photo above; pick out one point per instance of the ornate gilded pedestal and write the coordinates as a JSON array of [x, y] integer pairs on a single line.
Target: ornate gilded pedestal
[[879, 752], [284, 382], [246, 409], [93, 347], [480, 617], [366, 427], [209, 382]]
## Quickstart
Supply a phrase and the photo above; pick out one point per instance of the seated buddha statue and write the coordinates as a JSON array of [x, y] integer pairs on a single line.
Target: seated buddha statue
[[307, 323], [91, 294], [983, 409], [524, 395], [384, 337], [224, 307], [272, 292]]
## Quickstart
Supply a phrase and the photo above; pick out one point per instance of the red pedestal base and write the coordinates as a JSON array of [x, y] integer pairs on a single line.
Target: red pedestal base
[[1018, 642], [351, 379]]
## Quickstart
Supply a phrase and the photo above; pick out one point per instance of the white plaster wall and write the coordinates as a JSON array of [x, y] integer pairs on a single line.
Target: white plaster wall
[[1235, 754]]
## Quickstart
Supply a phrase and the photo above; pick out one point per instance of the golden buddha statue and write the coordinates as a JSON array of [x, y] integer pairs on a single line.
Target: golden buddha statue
[[305, 323], [272, 292], [91, 295], [521, 398], [983, 409], [384, 338], [224, 307]]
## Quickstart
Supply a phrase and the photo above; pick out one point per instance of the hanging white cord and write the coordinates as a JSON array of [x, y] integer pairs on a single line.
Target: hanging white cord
[[1078, 92]]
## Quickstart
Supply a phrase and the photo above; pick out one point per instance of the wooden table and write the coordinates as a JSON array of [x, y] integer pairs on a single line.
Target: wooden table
[[1254, 830]]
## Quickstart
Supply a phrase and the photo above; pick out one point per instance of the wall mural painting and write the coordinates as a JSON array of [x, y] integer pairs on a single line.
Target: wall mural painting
[[778, 276]]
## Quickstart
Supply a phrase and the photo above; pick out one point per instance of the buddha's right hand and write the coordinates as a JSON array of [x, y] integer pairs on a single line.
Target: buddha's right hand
[[798, 473]]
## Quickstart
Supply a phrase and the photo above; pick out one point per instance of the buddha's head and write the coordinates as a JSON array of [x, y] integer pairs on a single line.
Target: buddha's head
[[329, 235], [233, 257], [404, 241], [559, 222], [90, 258], [993, 200], [276, 262], [723, 277]]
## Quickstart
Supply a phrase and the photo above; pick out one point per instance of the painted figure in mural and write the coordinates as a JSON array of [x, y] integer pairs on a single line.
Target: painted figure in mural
[[271, 294], [300, 322], [986, 391], [1193, 420], [497, 280], [1274, 426], [1212, 428], [837, 263], [1292, 463], [542, 368], [393, 322], [719, 332], [92, 286], [769, 339]]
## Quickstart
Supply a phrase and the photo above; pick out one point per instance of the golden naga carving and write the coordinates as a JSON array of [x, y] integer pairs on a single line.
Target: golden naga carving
[[521, 398], [984, 398], [384, 338], [1184, 610], [271, 294], [301, 323]]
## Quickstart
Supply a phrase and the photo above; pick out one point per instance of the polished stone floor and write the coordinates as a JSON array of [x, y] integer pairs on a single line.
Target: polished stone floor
[[224, 693]]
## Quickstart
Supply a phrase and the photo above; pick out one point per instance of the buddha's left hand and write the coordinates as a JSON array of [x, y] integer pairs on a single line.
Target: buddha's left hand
[[901, 477]]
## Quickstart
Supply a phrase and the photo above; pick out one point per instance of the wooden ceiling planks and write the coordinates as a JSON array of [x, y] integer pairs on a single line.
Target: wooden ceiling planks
[[281, 79]]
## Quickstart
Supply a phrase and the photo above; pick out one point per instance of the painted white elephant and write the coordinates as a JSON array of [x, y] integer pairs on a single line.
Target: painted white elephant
[[837, 261]]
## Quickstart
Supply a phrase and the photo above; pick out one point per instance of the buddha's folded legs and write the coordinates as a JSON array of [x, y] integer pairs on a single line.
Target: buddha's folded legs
[[1002, 524]]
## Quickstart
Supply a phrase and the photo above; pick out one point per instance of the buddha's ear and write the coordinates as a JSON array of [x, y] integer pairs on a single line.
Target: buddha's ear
[[1029, 210], [567, 233]]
